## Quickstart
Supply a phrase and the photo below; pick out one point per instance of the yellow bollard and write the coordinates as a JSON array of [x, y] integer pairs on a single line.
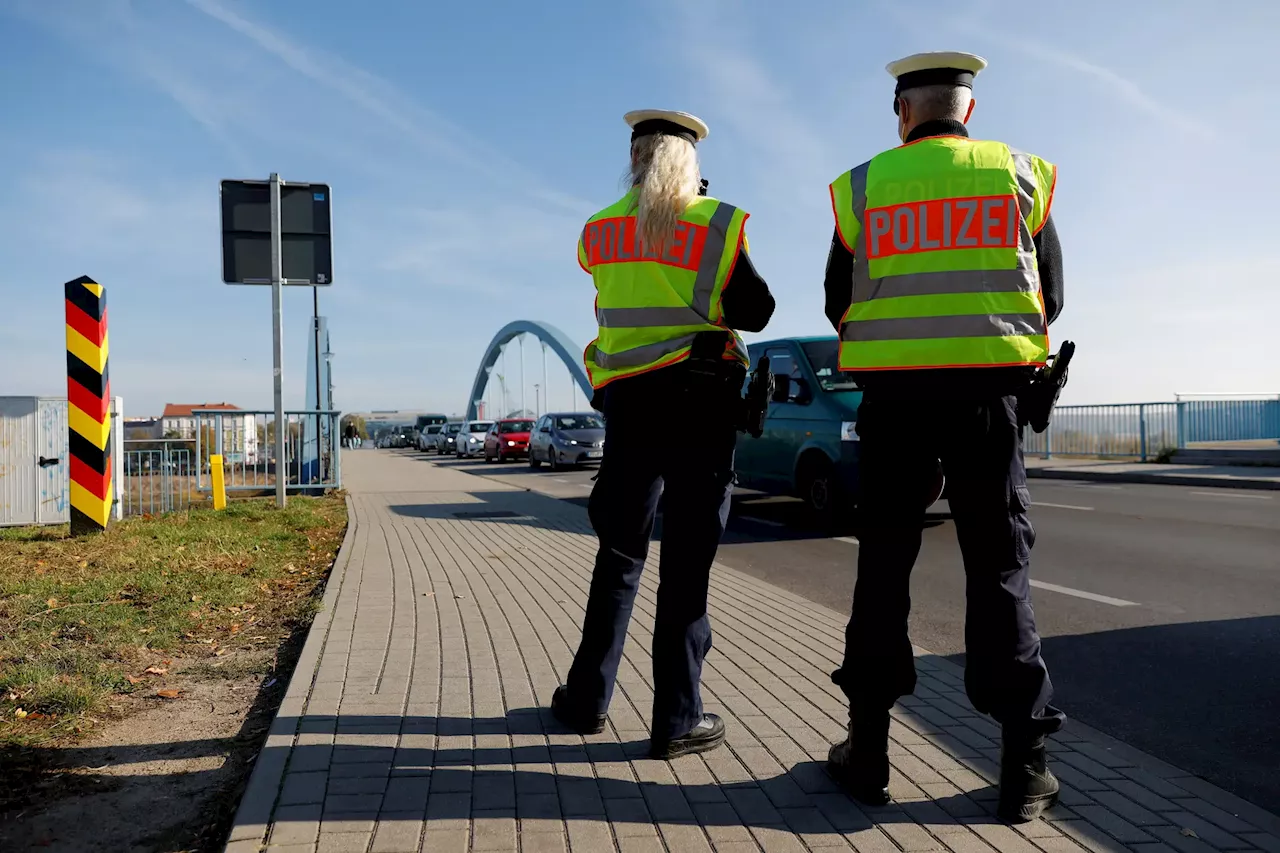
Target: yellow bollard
[[219, 487]]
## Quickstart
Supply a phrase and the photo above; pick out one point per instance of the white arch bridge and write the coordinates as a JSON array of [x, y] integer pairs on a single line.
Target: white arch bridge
[[551, 339]]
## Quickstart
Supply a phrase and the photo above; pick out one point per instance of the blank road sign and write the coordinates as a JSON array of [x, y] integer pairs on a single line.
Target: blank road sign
[[305, 240]]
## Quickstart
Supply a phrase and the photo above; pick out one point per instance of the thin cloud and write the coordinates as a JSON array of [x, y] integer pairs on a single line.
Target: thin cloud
[[1119, 85], [1114, 83], [378, 98]]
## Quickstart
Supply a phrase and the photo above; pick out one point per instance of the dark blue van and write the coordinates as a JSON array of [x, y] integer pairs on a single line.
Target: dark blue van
[[809, 448]]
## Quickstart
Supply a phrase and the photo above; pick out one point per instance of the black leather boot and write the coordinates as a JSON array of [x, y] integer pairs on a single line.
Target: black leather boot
[[574, 717], [706, 735], [1027, 787], [860, 762]]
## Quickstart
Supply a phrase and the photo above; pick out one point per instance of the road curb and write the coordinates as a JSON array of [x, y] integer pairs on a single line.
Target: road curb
[[257, 803], [1154, 479]]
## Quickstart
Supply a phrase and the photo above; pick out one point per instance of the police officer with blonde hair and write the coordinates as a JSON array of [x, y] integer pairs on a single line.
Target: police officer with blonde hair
[[944, 274], [673, 285]]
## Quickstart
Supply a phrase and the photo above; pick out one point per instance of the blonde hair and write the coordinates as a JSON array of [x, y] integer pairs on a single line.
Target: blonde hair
[[664, 173]]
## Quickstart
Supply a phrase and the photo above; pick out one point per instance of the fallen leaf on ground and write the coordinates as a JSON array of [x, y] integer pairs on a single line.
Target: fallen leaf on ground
[[53, 602], [196, 597], [133, 679], [19, 713], [168, 694], [156, 670]]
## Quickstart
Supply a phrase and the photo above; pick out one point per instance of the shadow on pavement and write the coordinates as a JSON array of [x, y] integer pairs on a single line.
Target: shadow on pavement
[[410, 768], [1201, 695]]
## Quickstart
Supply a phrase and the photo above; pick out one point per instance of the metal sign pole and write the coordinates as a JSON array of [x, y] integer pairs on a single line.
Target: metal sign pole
[[277, 329], [315, 321]]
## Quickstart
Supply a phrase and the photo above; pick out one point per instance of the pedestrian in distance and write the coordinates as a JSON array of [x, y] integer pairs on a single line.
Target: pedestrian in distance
[[674, 283], [944, 274]]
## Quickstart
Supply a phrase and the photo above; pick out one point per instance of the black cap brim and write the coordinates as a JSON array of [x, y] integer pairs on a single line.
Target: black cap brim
[[934, 77]]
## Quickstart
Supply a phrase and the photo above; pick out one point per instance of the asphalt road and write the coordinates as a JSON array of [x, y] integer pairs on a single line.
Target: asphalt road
[[1159, 606]]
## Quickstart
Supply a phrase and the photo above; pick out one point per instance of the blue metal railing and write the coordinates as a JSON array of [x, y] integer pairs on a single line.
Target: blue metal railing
[[246, 441], [1148, 430], [159, 477]]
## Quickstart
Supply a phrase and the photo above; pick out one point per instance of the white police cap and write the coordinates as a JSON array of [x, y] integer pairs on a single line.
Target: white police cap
[[671, 122], [943, 67]]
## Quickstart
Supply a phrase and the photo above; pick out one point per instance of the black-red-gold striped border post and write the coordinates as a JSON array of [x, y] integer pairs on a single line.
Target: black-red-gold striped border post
[[88, 406]]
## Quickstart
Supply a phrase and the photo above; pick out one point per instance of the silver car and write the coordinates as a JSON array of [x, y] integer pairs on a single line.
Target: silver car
[[470, 440], [429, 438], [566, 439]]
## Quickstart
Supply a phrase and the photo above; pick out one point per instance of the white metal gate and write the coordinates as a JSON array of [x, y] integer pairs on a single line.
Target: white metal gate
[[34, 486], [35, 466]]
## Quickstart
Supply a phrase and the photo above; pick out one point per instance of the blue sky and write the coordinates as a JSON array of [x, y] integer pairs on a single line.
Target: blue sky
[[466, 143]]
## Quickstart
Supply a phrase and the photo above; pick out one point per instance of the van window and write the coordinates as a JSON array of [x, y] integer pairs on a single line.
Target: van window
[[781, 363], [824, 358]]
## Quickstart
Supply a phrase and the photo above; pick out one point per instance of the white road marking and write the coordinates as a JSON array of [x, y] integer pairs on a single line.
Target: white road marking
[[770, 522], [1232, 495], [1063, 506], [559, 479], [1079, 593], [587, 486], [1105, 486], [852, 540]]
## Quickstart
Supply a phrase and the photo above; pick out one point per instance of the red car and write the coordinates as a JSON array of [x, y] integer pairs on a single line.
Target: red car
[[507, 439]]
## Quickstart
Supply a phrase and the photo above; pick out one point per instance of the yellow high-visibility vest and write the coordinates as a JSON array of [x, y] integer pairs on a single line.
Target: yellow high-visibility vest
[[945, 271], [650, 307]]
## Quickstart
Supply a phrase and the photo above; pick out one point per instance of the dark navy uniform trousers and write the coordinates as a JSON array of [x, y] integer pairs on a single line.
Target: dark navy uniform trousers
[[671, 438], [980, 446]]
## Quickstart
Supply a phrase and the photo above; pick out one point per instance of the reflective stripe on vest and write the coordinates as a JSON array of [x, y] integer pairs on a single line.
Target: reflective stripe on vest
[[976, 304], [639, 337]]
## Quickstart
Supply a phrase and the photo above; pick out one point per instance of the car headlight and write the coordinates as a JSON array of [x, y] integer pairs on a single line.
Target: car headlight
[[573, 442], [473, 439], [848, 431], [511, 444]]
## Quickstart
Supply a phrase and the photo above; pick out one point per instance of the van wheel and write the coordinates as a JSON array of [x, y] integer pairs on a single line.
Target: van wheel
[[819, 490]]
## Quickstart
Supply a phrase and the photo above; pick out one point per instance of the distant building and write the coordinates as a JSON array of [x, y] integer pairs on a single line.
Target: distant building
[[240, 433], [178, 420], [142, 429]]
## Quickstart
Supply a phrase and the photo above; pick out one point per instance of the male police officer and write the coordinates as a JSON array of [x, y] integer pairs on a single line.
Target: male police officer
[[943, 276], [673, 281]]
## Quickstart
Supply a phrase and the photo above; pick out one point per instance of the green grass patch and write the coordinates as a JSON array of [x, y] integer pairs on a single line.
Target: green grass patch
[[84, 620]]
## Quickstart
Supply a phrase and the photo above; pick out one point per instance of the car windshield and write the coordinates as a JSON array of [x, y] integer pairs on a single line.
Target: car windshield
[[824, 358], [480, 426], [579, 422], [515, 426], [454, 429], [432, 430]]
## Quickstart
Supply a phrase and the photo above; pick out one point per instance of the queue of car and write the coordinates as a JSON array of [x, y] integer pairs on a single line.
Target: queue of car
[[558, 439], [809, 448]]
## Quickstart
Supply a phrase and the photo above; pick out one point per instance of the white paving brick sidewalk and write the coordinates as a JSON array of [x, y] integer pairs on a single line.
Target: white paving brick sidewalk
[[416, 719]]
